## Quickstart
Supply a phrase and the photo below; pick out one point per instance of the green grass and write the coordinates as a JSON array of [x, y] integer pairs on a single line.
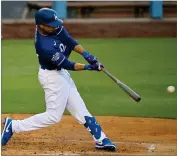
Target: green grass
[[146, 65]]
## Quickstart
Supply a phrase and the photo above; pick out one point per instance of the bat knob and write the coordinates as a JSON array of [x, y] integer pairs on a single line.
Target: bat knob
[[138, 99]]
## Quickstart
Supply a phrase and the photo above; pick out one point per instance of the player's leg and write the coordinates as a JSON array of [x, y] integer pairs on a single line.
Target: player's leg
[[56, 90], [77, 108]]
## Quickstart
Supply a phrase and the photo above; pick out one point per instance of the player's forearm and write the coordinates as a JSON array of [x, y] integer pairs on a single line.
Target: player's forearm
[[66, 64], [79, 66], [90, 58], [79, 49]]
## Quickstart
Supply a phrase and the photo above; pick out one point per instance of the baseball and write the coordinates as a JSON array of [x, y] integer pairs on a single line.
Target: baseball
[[171, 89]]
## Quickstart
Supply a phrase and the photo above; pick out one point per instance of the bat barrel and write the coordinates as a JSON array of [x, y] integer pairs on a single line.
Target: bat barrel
[[128, 90]]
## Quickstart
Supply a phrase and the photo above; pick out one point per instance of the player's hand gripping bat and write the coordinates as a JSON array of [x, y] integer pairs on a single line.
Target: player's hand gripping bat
[[128, 90]]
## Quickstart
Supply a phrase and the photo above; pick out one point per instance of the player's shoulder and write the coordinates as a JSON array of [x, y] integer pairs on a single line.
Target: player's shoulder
[[59, 30]]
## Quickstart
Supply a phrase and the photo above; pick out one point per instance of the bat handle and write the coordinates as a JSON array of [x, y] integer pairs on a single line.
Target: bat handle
[[111, 76], [102, 69]]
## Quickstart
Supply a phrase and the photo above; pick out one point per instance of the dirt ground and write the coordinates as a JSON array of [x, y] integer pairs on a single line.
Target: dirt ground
[[133, 136]]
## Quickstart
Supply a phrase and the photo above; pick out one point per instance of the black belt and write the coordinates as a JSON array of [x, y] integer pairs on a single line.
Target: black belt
[[42, 67]]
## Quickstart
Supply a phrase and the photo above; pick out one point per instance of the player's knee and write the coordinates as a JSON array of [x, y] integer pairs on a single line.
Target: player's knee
[[54, 117]]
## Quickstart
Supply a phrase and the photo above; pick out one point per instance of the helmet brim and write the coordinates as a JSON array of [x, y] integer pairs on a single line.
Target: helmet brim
[[55, 23]]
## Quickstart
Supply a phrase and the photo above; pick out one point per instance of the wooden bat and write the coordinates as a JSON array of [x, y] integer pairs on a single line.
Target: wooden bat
[[128, 90]]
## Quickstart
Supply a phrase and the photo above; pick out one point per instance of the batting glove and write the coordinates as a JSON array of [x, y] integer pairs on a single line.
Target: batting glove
[[97, 67], [89, 58]]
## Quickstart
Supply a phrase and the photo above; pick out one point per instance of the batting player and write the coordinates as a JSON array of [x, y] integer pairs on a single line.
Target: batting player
[[53, 47]]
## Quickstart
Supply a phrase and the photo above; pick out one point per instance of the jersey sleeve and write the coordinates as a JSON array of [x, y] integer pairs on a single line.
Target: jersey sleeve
[[66, 38], [59, 60]]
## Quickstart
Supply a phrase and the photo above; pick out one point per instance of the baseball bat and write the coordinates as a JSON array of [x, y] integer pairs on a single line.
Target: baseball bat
[[128, 90]]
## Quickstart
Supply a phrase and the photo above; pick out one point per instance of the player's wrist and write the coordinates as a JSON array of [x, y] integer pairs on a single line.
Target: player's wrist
[[85, 54], [87, 67]]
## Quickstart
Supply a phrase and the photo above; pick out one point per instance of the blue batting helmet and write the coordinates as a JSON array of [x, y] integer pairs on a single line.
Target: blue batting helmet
[[47, 17]]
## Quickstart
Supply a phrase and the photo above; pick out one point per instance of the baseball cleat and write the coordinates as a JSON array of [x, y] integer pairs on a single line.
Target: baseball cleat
[[7, 131], [106, 144]]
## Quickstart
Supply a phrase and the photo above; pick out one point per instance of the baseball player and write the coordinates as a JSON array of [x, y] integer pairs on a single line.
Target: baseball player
[[53, 47]]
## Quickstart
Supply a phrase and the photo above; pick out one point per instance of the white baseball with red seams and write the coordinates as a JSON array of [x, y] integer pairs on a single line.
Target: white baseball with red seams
[[171, 89]]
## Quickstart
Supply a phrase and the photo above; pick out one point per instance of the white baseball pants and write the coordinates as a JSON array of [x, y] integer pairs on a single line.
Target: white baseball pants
[[60, 93]]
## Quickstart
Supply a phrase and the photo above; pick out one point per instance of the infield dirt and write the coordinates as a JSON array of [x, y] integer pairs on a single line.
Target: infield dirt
[[133, 136]]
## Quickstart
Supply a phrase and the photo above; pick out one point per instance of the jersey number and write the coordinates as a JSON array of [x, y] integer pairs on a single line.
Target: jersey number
[[62, 47]]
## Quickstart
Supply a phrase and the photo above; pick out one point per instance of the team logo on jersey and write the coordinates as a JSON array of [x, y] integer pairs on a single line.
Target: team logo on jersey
[[56, 56], [55, 16]]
